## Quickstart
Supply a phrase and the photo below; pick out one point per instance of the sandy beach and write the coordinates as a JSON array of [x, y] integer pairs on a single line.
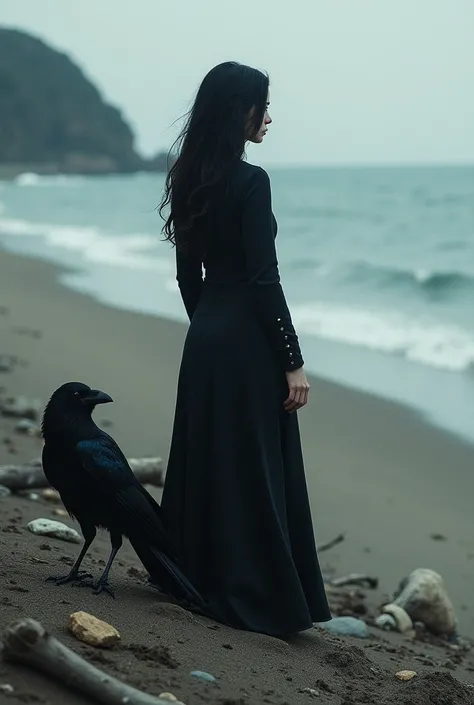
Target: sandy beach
[[399, 489]]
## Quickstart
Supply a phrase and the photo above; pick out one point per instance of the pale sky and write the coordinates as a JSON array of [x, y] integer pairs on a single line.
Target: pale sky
[[352, 81]]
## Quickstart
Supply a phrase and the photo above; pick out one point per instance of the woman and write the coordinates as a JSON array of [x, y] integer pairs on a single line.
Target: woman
[[235, 496]]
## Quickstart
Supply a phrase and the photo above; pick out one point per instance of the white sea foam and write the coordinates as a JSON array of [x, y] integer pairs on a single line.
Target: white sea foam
[[134, 251], [439, 345], [31, 179]]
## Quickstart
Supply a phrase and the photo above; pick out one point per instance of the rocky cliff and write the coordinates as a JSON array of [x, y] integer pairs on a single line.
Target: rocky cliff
[[53, 119]]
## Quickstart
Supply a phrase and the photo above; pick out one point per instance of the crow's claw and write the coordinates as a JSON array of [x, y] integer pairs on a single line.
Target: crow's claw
[[74, 577], [103, 586]]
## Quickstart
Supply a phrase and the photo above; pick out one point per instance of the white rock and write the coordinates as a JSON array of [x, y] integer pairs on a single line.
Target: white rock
[[394, 617], [56, 529], [7, 688], [423, 596], [170, 697], [386, 621]]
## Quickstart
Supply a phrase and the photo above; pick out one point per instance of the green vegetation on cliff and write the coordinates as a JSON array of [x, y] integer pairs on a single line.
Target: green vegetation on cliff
[[52, 118]]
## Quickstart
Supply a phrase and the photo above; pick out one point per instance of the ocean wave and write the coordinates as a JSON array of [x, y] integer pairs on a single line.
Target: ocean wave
[[28, 178], [439, 345], [429, 281], [133, 251]]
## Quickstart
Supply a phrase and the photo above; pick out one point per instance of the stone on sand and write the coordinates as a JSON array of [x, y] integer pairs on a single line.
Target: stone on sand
[[346, 626], [56, 529], [28, 428], [7, 688], [310, 691], [405, 675], [92, 630], [4, 492], [22, 408], [170, 697], [424, 598], [51, 495], [203, 676], [395, 618]]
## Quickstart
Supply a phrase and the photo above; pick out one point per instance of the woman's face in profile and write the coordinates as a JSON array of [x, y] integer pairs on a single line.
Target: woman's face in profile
[[258, 137]]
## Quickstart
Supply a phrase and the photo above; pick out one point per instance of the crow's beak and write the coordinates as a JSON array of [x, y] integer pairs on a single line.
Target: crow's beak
[[95, 396]]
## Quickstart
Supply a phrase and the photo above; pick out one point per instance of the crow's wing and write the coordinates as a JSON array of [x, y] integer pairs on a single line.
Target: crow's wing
[[49, 465], [138, 512]]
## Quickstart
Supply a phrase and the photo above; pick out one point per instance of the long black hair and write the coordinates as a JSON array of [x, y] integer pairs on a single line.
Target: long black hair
[[229, 109]]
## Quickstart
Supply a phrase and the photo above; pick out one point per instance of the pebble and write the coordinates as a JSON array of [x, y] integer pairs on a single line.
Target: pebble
[[60, 512], [348, 626], [203, 676], [28, 428], [171, 697], [50, 495], [92, 631], [395, 618], [310, 691], [6, 688], [4, 492], [405, 675], [22, 408], [50, 527], [33, 496]]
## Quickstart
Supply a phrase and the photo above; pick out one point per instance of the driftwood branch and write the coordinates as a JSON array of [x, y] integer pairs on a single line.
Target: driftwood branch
[[324, 547], [148, 471], [27, 642], [356, 579]]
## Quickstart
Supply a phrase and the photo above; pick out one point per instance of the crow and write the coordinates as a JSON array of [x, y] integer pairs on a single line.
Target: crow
[[98, 488]]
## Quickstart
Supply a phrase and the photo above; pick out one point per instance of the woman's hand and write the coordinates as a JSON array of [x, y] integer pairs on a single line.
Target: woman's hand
[[298, 387]]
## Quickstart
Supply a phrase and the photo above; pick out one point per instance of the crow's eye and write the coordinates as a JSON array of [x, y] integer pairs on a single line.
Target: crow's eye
[[76, 394]]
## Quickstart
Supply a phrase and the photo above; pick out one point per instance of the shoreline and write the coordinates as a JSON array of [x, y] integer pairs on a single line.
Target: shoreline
[[401, 332], [417, 388], [65, 278]]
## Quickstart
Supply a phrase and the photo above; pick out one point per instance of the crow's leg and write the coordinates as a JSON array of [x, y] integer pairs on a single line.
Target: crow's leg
[[102, 585], [75, 575]]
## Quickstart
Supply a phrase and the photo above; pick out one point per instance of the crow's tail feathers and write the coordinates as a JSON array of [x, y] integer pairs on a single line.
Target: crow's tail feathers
[[165, 574]]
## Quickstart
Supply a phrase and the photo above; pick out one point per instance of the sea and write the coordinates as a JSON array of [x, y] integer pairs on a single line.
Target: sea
[[377, 264]]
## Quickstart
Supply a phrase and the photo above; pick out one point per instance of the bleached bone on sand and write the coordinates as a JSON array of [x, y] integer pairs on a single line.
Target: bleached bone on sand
[[423, 597], [27, 641], [148, 471]]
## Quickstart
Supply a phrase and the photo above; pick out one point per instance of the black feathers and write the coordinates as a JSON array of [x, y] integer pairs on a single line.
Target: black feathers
[[99, 489]]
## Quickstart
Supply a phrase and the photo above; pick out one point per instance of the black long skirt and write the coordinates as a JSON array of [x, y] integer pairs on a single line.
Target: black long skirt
[[235, 496]]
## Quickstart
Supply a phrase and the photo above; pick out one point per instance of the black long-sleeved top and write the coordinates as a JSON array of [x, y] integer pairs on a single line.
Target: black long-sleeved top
[[241, 249]]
